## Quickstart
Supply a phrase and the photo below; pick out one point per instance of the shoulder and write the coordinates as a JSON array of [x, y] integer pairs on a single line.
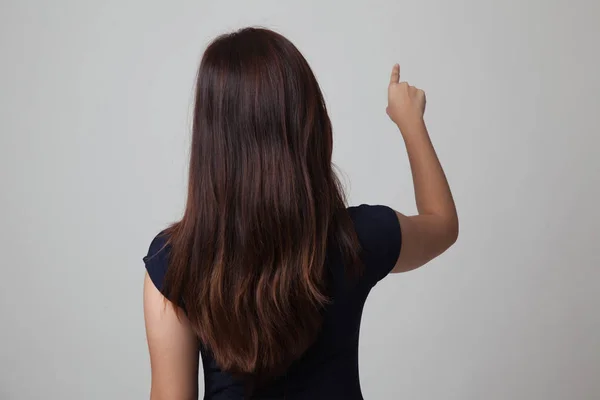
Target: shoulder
[[373, 222], [365, 213], [378, 231], [157, 259]]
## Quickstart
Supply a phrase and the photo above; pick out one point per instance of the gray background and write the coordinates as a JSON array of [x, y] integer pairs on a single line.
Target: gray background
[[94, 120]]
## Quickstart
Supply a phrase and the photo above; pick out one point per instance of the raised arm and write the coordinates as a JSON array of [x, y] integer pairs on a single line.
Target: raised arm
[[435, 228]]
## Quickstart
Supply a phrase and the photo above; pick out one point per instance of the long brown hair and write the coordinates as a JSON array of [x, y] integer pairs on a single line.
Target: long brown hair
[[247, 259]]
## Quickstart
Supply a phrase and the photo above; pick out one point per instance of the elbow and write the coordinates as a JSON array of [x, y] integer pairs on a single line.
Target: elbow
[[452, 229]]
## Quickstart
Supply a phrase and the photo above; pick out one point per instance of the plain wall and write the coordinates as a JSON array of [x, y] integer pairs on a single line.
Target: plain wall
[[94, 121]]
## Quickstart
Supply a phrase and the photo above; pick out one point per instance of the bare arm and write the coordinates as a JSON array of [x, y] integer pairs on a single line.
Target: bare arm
[[435, 228], [173, 348]]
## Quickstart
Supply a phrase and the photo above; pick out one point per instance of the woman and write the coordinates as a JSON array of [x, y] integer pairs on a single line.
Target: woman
[[266, 274]]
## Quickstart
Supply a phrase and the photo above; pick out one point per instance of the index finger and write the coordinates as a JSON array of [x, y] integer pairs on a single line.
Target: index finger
[[395, 78]]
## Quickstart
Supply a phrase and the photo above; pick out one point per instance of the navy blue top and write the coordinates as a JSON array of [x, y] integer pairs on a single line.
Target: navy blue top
[[329, 368]]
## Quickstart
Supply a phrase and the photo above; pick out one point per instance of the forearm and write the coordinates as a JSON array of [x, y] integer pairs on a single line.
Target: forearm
[[432, 192]]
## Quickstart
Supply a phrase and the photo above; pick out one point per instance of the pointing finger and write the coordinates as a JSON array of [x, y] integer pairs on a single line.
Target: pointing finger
[[395, 78]]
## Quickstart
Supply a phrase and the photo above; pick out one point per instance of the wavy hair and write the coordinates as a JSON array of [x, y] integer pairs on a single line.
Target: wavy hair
[[264, 206]]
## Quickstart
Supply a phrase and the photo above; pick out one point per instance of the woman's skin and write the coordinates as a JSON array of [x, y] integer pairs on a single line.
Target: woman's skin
[[174, 348], [430, 233]]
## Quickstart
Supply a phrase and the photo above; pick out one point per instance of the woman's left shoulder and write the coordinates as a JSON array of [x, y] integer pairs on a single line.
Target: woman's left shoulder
[[157, 258]]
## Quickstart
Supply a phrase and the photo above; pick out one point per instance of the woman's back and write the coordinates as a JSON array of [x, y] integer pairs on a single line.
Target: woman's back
[[266, 274], [329, 368]]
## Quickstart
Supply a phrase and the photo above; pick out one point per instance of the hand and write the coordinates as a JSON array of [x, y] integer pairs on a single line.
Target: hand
[[406, 104]]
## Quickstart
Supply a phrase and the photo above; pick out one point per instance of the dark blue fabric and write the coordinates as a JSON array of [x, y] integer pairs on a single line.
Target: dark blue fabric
[[329, 368]]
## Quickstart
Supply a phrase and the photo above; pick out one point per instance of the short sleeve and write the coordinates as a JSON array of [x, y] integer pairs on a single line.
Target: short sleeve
[[379, 234], [157, 260]]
